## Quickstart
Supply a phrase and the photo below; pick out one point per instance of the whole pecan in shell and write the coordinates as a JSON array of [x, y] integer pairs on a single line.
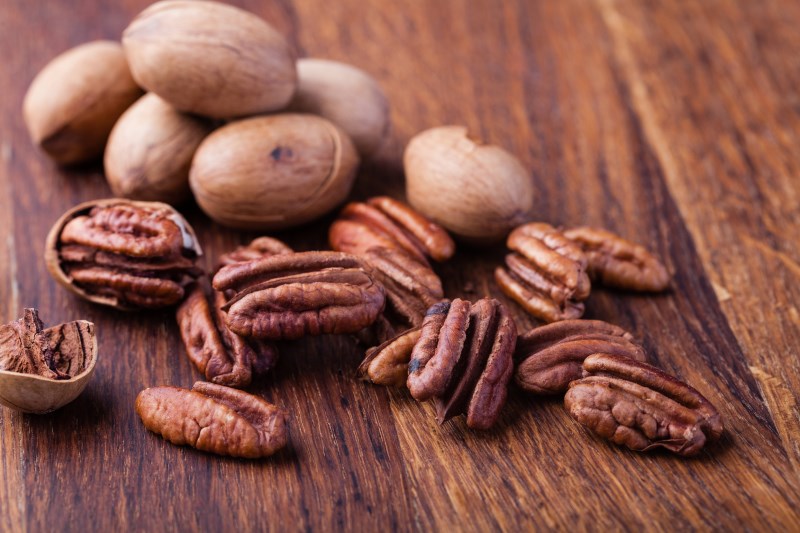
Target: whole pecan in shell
[[125, 254], [289, 296], [215, 419], [638, 406], [617, 262], [552, 356], [463, 360], [546, 274]]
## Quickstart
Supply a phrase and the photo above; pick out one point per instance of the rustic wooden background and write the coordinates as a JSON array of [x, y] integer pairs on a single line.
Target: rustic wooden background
[[675, 123]]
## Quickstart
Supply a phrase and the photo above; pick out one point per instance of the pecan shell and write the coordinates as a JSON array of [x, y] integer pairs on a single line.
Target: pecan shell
[[546, 274], [638, 406], [619, 263], [215, 419], [464, 360], [387, 364], [388, 223], [552, 356], [125, 254], [289, 296]]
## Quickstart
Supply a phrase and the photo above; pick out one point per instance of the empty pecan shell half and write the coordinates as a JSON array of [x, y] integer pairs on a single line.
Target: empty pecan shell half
[[388, 223], [44, 369], [546, 274], [552, 356], [619, 263], [289, 296], [125, 254], [215, 419], [463, 360], [638, 406]]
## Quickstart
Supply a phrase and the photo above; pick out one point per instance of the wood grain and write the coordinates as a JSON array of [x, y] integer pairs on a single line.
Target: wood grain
[[673, 123]]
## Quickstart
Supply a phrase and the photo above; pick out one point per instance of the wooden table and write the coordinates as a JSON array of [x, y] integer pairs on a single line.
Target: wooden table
[[674, 123]]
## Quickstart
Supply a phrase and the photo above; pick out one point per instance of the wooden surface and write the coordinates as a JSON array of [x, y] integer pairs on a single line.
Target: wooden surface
[[675, 123]]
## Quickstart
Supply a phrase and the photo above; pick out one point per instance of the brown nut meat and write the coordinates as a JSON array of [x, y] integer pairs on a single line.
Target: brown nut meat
[[463, 360], [552, 356], [215, 419], [289, 296], [125, 254], [619, 263], [547, 273], [41, 369], [384, 222], [387, 364], [256, 249], [638, 406]]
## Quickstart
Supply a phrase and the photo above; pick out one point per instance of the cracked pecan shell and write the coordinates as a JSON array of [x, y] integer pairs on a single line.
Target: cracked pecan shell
[[215, 419], [546, 274], [124, 254], [289, 296], [388, 223], [619, 263], [463, 360], [552, 356], [636, 405]]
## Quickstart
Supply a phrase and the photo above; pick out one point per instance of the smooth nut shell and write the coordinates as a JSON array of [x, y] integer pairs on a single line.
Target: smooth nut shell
[[150, 150], [273, 172], [477, 191], [74, 101], [53, 261], [210, 58], [30, 393], [345, 95]]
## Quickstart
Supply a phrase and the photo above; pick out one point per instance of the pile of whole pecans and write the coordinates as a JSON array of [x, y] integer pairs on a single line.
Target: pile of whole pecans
[[378, 283]]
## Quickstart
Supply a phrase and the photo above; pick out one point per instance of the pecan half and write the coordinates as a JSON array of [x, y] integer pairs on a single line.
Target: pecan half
[[547, 273], [638, 406], [289, 296], [125, 254], [256, 249], [463, 360], [617, 262], [552, 356], [220, 354], [387, 223], [215, 419], [387, 364]]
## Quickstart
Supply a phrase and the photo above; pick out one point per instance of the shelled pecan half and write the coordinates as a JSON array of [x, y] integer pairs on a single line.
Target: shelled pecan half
[[638, 406], [256, 249], [546, 274], [125, 254], [463, 360], [215, 419], [387, 364], [388, 223], [619, 263], [552, 356], [288, 296]]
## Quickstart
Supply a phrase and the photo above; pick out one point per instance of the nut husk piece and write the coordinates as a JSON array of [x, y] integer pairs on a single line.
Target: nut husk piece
[[150, 150], [74, 101], [42, 370], [210, 59], [477, 191], [345, 95], [188, 245], [273, 172]]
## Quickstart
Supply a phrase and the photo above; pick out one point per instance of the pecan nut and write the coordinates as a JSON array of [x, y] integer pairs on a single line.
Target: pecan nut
[[464, 360], [387, 223], [44, 369], [638, 406], [619, 263], [289, 296], [215, 419], [256, 249], [546, 274], [124, 254], [387, 364], [552, 356], [221, 355]]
